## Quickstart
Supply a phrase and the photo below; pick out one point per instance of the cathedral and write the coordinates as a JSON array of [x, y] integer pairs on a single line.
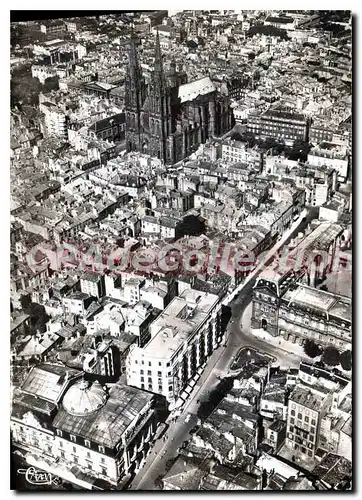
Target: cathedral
[[169, 118]]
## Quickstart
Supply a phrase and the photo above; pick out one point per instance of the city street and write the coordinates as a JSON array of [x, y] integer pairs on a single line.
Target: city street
[[218, 366]]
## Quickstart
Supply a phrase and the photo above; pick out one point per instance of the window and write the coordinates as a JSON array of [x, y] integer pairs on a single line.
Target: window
[[299, 416], [62, 454], [291, 428], [103, 460], [88, 454], [142, 362], [75, 459], [61, 444], [87, 443], [142, 379], [292, 413], [306, 419], [141, 372], [310, 453], [142, 386], [159, 363], [103, 471], [59, 432], [89, 464], [292, 420], [149, 363], [159, 374], [101, 449], [74, 449], [73, 438], [149, 372], [168, 364], [136, 362], [169, 374], [313, 421]]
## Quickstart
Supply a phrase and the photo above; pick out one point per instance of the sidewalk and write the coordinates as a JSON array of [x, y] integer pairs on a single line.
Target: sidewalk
[[282, 344]]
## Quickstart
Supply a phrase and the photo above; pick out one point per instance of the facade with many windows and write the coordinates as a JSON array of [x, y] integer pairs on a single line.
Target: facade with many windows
[[182, 339], [298, 312], [279, 125], [82, 431], [306, 408]]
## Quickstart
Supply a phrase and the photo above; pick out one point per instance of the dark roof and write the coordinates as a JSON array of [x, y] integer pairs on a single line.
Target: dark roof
[[33, 403], [106, 425], [48, 381], [281, 20], [333, 469], [107, 122]]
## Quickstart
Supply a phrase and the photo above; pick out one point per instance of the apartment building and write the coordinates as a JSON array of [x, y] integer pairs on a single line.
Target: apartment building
[[306, 408], [235, 151], [55, 120], [331, 155], [93, 285], [182, 338], [277, 124]]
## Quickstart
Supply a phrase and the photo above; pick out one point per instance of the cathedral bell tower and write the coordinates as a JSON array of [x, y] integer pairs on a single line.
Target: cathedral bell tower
[[156, 116], [134, 98]]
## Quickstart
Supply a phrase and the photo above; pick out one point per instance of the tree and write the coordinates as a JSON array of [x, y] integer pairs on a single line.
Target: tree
[[51, 84], [299, 150], [25, 302], [346, 360], [312, 349], [190, 226], [331, 356], [159, 482]]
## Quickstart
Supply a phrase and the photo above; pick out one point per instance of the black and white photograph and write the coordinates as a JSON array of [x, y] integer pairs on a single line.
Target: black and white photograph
[[180, 250]]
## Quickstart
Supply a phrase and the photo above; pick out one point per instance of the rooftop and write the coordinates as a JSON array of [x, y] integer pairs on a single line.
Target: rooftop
[[106, 424], [181, 318], [334, 305], [190, 91], [48, 381], [306, 397]]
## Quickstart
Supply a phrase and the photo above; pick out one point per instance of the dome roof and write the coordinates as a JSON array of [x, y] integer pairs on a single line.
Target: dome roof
[[84, 399]]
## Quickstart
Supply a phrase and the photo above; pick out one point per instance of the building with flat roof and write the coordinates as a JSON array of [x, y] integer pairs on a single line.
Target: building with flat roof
[[182, 338], [278, 124]]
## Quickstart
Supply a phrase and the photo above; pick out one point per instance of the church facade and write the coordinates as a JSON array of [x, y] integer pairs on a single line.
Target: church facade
[[169, 118]]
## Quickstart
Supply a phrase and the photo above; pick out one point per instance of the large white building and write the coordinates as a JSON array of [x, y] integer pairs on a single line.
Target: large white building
[[81, 431], [55, 120], [182, 338]]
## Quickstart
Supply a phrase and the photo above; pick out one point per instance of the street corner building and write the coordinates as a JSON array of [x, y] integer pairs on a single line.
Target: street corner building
[[91, 435], [183, 337]]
